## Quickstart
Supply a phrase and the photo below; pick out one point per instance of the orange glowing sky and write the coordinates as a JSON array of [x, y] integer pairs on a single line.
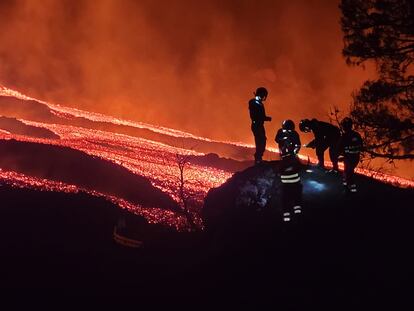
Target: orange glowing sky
[[189, 65]]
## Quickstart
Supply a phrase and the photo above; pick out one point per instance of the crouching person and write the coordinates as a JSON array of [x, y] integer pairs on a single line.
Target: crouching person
[[289, 145], [350, 146]]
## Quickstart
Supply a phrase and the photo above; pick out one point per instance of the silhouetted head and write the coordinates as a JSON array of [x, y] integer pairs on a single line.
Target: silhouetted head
[[305, 125], [288, 125], [346, 124], [261, 92]]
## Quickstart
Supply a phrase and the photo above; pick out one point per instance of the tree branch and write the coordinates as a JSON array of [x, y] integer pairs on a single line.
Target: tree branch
[[390, 156]]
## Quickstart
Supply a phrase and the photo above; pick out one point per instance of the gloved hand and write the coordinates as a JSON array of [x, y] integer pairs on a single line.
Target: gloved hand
[[268, 118]]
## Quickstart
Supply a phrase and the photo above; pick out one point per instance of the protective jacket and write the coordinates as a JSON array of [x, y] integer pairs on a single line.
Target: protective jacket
[[288, 141], [325, 133], [257, 111], [350, 144]]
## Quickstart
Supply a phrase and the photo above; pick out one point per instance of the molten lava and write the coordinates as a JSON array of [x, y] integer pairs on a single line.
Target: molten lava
[[151, 159]]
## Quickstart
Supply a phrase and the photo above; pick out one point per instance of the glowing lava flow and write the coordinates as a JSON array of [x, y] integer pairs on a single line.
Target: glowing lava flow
[[153, 160], [146, 158], [67, 112], [153, 215], [150, 159]]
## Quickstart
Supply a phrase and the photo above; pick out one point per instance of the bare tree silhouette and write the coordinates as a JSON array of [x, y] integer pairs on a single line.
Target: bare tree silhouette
[[182, 161]]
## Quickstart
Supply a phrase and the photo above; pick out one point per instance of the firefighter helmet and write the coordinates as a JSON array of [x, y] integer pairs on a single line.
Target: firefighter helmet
[[261, 92], [288, 125], [346, 124], [305, 125]]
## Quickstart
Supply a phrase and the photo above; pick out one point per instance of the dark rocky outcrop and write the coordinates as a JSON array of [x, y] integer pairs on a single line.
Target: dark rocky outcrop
[[225, 164], [248, 193], [255, 194], [15, 126], [78, 168]]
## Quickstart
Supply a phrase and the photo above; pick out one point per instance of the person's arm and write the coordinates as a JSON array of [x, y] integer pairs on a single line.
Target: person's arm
[[311, 144], [265, 117], [279, 136], [252, 111], [257, 113], [297, 142]]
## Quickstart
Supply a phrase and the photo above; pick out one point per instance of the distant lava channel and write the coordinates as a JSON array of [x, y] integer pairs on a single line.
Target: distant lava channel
[[39, 112]]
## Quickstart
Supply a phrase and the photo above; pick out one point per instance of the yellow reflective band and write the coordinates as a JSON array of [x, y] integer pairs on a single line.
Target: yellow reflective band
[[126, 241], [289, 176], [290, 181]]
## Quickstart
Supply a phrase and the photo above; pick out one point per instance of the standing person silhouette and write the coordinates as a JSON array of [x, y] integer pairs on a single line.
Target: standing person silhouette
[[258, 117], [350, 146]]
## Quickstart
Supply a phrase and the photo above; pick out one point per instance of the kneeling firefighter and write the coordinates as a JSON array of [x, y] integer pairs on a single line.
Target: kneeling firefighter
[[289, 145]]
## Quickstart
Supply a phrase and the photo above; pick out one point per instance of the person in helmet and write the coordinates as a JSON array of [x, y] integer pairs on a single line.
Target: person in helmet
[[288, 133], [350, 146], [258, 117], [326, 136], [291, 188]]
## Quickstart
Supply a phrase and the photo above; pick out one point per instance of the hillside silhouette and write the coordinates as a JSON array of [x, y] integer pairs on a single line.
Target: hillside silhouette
[[347, 250], [78, 168]]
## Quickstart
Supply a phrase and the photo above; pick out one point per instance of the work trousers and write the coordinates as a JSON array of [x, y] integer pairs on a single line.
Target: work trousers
[[350, 163], [260, 140], [333, 153], [291, 187]]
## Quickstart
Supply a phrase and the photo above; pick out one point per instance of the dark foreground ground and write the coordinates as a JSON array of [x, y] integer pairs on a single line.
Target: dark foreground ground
[[344, 253]]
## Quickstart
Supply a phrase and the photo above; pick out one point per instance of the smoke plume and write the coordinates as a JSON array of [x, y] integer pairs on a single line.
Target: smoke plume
[[191, 65]]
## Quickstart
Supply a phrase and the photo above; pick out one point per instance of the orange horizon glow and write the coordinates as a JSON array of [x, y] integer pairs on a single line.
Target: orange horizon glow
[[75, 132]]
